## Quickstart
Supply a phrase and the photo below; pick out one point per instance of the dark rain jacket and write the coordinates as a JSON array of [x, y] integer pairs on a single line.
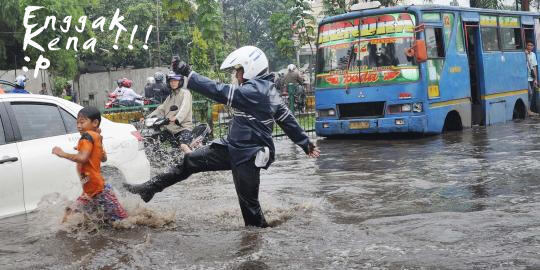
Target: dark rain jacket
[[257, 105], [158, 91]]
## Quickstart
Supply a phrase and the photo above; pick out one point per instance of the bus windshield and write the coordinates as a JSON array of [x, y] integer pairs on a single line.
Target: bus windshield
[[366, 51]]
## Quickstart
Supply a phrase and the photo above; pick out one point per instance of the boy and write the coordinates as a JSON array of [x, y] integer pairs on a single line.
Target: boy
[[97, 196]]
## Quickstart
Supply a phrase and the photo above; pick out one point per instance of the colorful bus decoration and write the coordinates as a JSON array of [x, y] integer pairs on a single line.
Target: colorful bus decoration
[[369, 78]]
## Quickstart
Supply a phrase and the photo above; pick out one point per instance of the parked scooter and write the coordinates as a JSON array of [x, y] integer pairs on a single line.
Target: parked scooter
[[159, 150]]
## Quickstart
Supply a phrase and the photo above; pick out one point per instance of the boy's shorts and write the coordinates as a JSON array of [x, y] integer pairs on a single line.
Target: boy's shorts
[[104, 203]]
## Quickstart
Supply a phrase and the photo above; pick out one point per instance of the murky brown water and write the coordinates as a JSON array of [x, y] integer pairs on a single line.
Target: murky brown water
[[465, 200]]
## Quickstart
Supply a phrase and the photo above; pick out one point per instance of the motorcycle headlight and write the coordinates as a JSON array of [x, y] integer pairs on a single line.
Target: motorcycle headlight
[[150, 122]]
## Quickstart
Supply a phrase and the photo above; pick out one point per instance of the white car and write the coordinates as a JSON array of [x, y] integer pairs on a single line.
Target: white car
[[30, 126]]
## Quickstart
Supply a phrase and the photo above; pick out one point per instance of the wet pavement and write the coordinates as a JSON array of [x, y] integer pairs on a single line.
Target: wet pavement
[[463, 200]]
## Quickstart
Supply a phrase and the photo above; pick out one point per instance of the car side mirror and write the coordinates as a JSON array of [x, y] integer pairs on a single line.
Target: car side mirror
[[173, 108]]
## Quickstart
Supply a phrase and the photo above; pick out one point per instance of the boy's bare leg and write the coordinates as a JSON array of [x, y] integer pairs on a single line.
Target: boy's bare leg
[[186, 149], [67, 213]]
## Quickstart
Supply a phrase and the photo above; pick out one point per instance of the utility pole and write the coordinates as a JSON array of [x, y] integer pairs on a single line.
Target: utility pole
[[525, 5], [157, 27]]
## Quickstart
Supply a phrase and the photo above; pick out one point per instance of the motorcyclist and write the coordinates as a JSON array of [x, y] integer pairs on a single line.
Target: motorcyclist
[[149, 87], [128, 97], [248, 146], [181, 125], [160, 89], [20, 83], [292, 76]]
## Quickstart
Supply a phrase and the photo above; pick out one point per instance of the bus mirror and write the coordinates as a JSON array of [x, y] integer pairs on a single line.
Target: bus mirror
[[420, 51]]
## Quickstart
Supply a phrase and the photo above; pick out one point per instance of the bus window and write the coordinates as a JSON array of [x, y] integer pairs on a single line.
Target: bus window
[[434, 43], [511, 39], [366, 51], [510, 33], [459, 37], [490, 40]]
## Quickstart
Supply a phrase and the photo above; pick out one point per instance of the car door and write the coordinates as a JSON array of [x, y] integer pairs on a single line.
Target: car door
[[11, 193], [40, 127]]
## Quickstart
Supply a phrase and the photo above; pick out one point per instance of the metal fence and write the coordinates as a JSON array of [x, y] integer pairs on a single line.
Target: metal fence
[[218, 115]]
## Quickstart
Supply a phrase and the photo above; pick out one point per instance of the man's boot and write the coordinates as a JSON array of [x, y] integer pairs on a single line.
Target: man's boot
[[157, 184]]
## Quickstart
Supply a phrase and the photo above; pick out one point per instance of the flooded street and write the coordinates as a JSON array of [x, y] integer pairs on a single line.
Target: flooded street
[[464, 200]]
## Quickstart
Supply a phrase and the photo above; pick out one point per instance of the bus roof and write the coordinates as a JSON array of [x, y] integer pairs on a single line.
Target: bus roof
[[368, 12]]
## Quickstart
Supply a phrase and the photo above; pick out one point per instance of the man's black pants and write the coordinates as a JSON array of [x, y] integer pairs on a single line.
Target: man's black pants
[[216, 158]]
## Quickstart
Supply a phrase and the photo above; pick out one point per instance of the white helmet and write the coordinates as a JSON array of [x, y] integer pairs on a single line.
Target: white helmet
[[150, 80], [252, 59], [291, 67], [21, 81]]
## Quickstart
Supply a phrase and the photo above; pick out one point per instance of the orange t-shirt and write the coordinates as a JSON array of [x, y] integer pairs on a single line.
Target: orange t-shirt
[[2, 91], [90, 172]]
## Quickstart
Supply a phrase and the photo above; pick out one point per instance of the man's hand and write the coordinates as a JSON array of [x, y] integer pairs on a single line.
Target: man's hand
[[172, 119], [141, 120], [314, 152], [535, 83], [180, 67]]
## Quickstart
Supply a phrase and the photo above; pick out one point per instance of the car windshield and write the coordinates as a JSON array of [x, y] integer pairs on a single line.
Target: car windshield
[[366, 51]]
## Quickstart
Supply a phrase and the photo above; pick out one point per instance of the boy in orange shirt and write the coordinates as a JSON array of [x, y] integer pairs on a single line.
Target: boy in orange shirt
[[97, 196]]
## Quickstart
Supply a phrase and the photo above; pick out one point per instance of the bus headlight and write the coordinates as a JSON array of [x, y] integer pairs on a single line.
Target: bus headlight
[[417, 107], [406, 107], [326, 113]]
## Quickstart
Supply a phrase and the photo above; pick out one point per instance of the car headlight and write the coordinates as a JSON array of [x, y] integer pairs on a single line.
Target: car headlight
[[326, 113]]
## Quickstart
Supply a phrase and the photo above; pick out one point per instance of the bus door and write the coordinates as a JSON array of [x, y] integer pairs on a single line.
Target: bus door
[[472, 40]]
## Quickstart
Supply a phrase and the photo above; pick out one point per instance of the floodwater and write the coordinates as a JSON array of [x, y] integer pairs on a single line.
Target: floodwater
[[463, 200]]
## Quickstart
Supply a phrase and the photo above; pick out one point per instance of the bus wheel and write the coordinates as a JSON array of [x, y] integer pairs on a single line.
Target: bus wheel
[[519, 110], [452, 122]]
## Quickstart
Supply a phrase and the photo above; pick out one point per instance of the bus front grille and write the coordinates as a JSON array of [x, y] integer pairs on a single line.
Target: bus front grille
[[364, 109]]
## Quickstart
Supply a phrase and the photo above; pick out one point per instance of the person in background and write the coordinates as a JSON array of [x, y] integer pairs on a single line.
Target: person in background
[[2, 91], [181, 126], [43, 90], [292, 76], [160, 88], [532, 75], [128, 97], [20, 83], [69, 93], [149, 88]]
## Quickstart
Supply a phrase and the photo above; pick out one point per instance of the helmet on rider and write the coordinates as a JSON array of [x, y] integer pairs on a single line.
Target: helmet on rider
[[159, 77], [150, 80], [126, 83], [119, 82], [174, 77], [251, 58], [20, 81], [291, 67]]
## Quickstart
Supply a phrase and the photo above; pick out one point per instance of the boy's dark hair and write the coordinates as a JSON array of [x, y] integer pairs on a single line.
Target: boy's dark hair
[[529, 41], [91, 113]]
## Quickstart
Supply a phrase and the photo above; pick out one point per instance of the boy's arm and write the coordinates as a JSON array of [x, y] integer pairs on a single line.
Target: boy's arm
[[104, 157], [81, 157]]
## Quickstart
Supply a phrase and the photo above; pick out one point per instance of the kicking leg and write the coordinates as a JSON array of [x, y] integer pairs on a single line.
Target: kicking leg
[[209, 158]]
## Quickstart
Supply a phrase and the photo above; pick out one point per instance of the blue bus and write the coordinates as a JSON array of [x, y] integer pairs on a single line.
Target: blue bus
[[421, 69]]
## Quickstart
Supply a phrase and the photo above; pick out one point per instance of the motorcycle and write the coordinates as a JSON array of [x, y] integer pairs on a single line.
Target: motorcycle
[[112, 102], [159, 150]]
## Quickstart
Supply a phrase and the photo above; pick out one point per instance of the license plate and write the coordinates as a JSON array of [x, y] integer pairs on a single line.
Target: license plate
[[359, 125]]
